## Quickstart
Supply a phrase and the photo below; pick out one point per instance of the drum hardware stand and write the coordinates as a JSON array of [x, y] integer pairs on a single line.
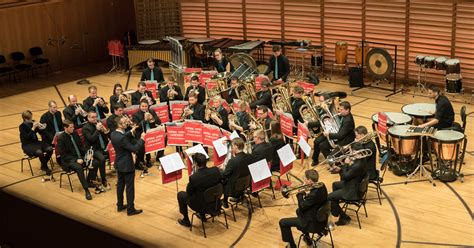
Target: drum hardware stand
[[421, 168], [421, 84]]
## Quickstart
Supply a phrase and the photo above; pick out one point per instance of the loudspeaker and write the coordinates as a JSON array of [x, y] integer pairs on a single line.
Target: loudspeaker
[[355, 77]]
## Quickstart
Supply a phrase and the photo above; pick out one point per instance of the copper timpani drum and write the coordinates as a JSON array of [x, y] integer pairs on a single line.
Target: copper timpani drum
[[453, 66], [341, 52], [358, 53], [449, 147], [405, 148], [395, 118], [439, 63], [421, 112], [429, 62]]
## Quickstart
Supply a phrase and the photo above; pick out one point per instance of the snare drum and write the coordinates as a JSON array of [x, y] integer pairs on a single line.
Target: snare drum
[[439, 63], [453, 66], [403, 143], [420, 60], [341, 52], [453, 83], [429, 62], [421, 112]]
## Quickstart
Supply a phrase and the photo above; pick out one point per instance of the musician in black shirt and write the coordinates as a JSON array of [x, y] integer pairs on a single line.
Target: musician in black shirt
[[194, 111], [242, 119], [263, 118], [53, 120], [233, 92], [118, 97], [197, 89], [142, 94], [221, 64], [279, 64], [95, 103], [75, 112], [361, 132], [111, 124], [444, 115], [217, 114], [261, 149], [264, 97], [277, 141], [171, 92], [152, 72], [296, 102]]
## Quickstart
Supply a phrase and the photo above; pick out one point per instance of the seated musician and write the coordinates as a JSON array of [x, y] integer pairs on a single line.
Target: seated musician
[[74, 112], [197, 89], [201, 180], [234, 89], [241, 120], [72, 153], [30, 143], [152, 72], [54, 124], [277, 141], [221, 63], [444, 115], [118, 112], [194, 111], [353, 171], [279, 65], [315, 125], [145, 119], [263, 118], [142, 94], [361, 132], [261, 149], [96, 137], [264, 97], [95, 103], [308, 205], [236, 168], [171, 92], [344, 136], [118, 97], [217, 114]]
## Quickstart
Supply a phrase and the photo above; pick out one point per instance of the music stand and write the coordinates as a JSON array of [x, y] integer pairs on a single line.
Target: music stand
[[394, 89], [420, 166]]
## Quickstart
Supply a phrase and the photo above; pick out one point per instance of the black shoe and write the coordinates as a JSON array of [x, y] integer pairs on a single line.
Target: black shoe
[[121, 208], [149, 164], [314, 163], [184, 222], [135, 212], [255, 194], [343, 220], [88, 195], [225, 204]]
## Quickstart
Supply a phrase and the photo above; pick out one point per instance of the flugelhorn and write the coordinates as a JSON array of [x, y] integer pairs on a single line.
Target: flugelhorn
[[286, 191]]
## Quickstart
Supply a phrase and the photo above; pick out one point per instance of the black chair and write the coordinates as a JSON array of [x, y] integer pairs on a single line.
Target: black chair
[[39, 62], [28, 158], [360, 202], [6, 70], [68, 173], [17, 57], [212, 198], [463, 118], [322, 216], [240, 189], [377, 182]]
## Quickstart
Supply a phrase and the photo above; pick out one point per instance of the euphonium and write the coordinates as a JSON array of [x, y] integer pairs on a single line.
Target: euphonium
[[286, 191], [281, 100]]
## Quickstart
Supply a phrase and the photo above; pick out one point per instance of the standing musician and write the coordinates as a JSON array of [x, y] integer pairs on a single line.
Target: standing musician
[[124, 147], [194, 111], [96, 137], [142, 94], [444, 115], [261, 149], [242, 118], [277, 141], [279, 64], [54, 124], [264, 97], [75, 112], [203, 179], [236, 168], [217, 114], [234, 88], [361, 132], [352, 173], [197, 89], [118, 97], [152, 72], [95, 103], [72, 152], [30, 143], [221, 64], [345, 135], [308, 205]]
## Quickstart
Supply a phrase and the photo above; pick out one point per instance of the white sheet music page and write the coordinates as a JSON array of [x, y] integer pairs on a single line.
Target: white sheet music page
[[196, 149], [234, 135], [304, 146], [259, 170], [220, 146], [286, 155], [172, 163]]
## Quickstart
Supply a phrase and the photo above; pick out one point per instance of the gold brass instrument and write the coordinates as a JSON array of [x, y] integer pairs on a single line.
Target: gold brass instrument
[[286, 191], [358, 154], [281, 100], [80, 111], [101, 102], [216, 90], [345, 149], [308, 113], [183, 115], [247, 94], [171, 93], [40, 125], [212, 110], [124, 99], [102, 128]]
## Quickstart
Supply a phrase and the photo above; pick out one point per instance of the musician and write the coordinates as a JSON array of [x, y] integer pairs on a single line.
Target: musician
[[194, 111], [221, 63], [352, 173], [234, 89], [142, 94], [118, 97], [277, 141], [261, 149], [444, 115], [123, 145], [264, 97], [218, 115], [263, 118], [361, 132], [54, 124], [118, 112], [171, 91], [30, 143], [242, 118], [152, 72], [279, 65], [75, 112], [72, 153], [96, 137], [95, 103], [308, 206], [197, 89], [315, 125], [344, 136], [296, 102], [201, 180], [236, 168]]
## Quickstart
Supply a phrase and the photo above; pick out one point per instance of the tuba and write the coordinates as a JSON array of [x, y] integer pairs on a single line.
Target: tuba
[[281, 100]]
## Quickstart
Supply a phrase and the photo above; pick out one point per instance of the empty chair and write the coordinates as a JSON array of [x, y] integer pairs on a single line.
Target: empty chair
[[17, 57], [38, 61], [6, 70]]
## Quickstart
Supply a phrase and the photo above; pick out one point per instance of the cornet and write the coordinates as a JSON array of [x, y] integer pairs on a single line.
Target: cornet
[[171, 93], [40, 126], [102, 128], [79, 110], [184, 115], [101, 101]]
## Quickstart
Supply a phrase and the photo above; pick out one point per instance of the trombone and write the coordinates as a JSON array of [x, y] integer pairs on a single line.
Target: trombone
[[286, 191], [362, 153]]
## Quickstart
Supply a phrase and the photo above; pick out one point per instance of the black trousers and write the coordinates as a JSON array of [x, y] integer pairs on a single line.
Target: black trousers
[[321, 144], [183, 204], [335, 197], [98, 163], [41, 150], [285, 226], [126, 181], [74, 166]]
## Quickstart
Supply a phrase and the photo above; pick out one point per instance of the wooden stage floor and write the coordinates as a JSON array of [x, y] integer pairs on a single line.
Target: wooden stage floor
[[412, 215]]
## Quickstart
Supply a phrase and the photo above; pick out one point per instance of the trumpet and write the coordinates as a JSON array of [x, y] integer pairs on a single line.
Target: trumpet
[[100, 101], [149, 117], [145, 96], [102, 128], [184, 115], [286, 191], [80, 111], [40, 125]]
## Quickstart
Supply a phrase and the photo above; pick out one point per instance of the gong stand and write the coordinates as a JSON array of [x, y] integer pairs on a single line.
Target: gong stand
[[394, 89]]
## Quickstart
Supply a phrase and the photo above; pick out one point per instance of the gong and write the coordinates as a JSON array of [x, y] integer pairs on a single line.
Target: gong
[[379, 63]]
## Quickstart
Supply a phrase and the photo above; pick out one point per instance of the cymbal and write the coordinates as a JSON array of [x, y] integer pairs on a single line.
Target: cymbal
[[379, 63]]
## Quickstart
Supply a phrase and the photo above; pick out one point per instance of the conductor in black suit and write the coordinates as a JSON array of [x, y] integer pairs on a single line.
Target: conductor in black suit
[[237, 167], [308, 206], [152, 72], [279, 65], [203, 179], [264, 97], [142, 94], [124, 147]]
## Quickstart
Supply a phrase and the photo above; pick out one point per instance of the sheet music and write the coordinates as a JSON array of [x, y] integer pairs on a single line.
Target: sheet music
[[196, 149], [259, 170], [304, 146], [172, 163], [220, 147], [286, 155], [234, 135]]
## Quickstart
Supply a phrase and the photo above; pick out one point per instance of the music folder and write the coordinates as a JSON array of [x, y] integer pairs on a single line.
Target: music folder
[[195, 149], [220, 146], [286, 155], [304, 146], [171, 163], [259, 170]]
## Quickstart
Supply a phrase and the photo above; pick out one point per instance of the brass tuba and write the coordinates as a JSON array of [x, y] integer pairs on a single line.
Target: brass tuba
[[281, 100]]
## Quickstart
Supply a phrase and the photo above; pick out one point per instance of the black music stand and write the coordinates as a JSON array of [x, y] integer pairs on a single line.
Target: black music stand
[[394, 89]]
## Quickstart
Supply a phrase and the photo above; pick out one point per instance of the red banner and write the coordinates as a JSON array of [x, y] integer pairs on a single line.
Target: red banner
[[176, 135], [258, 82], [236, 106], [155, 140], [284, 170], [302, 131], [131, 110], [210, 133], [177, 108], [203, 77], [152, 86], [265, 183], [111, 150], [216, 159], [192, 70], [171, 177], [162, 111], [286, 122], [382, 124], [307, 87], [193, 131]]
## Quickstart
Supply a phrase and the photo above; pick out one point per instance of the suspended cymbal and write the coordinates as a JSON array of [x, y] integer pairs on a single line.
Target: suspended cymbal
[[379, 63]]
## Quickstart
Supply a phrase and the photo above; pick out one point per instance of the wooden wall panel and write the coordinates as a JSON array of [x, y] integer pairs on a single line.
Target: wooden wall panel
[[87, 25], [464, 45], [193, 14]]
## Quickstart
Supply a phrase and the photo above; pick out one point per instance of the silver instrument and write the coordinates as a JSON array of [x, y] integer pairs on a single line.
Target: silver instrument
[[362, 153], [88, 158]]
